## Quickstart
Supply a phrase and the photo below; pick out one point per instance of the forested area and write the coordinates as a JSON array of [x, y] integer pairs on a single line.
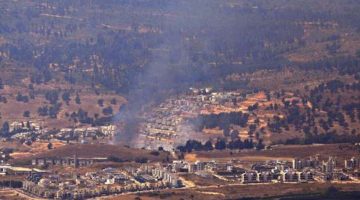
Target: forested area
[[119, 44]]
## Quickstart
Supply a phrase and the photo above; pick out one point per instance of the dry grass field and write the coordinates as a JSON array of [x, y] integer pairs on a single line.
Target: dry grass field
[[15, 194], [89, 102], [96, 150], [36, 148], [11, 195]]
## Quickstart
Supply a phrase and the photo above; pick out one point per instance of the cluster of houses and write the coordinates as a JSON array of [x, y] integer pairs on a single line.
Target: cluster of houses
[[299, 170], [83, 133], [157, 176], [272, 171], [352, 163], [68, 161], [166, 124], [8, 170], [107, 181], [28, 130], [154, 173], [162, 125], [24, 125]]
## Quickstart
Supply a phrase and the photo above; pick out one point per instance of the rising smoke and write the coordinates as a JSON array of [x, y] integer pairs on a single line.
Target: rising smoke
[[174, 64]]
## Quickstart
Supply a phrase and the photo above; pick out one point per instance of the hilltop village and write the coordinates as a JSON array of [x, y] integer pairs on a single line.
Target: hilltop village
[[327, 113], [201, 114], [179, 119], [29, 131]]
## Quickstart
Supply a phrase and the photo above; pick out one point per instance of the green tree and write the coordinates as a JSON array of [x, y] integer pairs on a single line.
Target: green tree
[[108, 111], [101, 102], [220, 144], [208, 146], [1, 84], [77, 99], [26, 114], [5, 129], [52, 96], [66, 97]]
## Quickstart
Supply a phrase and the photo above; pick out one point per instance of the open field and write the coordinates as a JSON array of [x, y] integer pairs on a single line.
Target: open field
[[89, 103], [97, 150], [11, 194], [36, 148], [14, 194]]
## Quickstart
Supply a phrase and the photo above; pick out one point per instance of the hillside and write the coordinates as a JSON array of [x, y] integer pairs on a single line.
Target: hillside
[[74, 64], [180, 99]]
